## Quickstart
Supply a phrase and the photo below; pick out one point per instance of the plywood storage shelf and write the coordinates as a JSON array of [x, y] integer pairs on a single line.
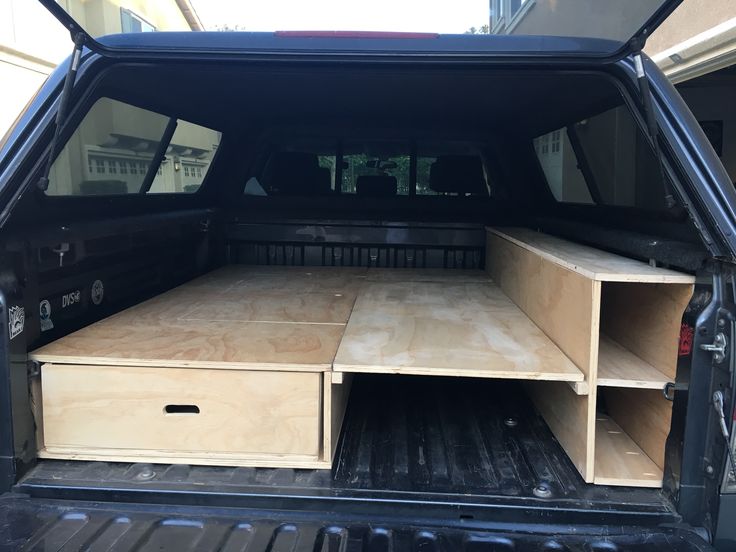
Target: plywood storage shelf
[[618, 320], [233, 368]]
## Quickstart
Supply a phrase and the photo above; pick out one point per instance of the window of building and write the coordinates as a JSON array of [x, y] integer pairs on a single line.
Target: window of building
[[504, 11], [496, 13], [515, 6], [131, 23], [560, 166], [115, 145]]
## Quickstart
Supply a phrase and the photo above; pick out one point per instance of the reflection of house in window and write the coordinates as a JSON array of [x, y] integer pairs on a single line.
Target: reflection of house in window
[[131, 23], [126, 159], [503, 12]]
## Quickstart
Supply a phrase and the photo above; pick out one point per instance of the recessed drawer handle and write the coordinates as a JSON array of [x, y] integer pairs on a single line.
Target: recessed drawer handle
[[181, 409]]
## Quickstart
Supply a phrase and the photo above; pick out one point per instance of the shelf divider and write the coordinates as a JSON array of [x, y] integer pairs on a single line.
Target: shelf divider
[[619, 367]]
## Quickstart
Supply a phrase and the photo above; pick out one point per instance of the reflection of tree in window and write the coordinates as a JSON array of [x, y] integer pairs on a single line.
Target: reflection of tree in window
[[361, 164], [424, 165]]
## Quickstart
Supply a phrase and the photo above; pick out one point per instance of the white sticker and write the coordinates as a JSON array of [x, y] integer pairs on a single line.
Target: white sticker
[[44, 312], [69, 299], [16, 320], [98, 292]]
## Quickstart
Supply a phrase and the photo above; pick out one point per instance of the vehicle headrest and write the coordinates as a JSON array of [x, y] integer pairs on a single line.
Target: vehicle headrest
[[294, 173], [458, 174], [322, 181], [376, 186], [103, 187]]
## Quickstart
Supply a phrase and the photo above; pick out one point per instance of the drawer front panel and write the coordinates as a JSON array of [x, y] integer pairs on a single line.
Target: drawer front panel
[[182, 409]]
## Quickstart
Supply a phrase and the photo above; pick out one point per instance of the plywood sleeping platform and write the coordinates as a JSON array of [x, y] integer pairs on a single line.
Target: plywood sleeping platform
[[251, 366]]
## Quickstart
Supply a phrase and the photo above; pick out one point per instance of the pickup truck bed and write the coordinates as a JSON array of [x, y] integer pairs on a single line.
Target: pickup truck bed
[[437, 444]]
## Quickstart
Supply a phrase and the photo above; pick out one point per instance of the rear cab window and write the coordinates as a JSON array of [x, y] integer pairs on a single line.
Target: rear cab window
[[119, 148], [373, 168]]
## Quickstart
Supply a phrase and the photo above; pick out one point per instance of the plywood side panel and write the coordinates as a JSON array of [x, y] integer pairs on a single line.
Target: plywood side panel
[[239, 412], [336, 402], [571, 418], [37, 410], [563, 303], [646, 319], [645, 415]]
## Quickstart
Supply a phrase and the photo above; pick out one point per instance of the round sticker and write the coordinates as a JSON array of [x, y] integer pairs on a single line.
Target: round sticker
[[98, 292], [44, 312]]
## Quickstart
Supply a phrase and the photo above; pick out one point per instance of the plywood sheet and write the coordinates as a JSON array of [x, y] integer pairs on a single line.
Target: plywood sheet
[[588, 261], [137, 408], [324, 279], [225, 345], [619, 461], [426, 275], [563, 303], [619, 367], [233, 318], [426, 328]]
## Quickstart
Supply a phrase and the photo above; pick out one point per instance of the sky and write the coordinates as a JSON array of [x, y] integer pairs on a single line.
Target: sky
[[442, 16]]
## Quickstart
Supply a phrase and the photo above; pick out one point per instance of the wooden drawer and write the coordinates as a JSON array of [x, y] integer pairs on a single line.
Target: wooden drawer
[[194, 413]]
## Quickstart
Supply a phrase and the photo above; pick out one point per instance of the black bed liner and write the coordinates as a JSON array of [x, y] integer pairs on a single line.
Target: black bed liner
[[51, 526], [467, 448]]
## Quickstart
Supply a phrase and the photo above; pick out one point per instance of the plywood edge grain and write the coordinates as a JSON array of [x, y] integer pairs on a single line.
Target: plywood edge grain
[[178, 457], [173, 363], [571, 376], [619, 460], [644, 274], [335, 405], [580, 387]]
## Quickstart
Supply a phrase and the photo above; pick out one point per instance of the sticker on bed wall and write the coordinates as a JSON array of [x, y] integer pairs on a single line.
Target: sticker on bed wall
[[16, 320], [44, 313], [71, 298], [98, 292]]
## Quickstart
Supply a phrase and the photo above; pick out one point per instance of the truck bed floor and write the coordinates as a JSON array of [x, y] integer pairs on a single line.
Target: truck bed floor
[[471, 444]]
